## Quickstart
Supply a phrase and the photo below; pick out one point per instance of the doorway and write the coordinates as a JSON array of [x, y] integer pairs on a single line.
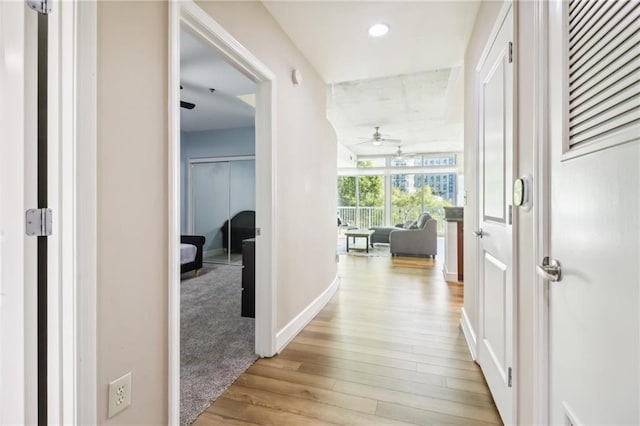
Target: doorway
[[189, 15], [217, 146]]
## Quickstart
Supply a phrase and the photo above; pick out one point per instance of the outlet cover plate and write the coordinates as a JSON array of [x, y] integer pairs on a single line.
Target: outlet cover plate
[[119, 394]]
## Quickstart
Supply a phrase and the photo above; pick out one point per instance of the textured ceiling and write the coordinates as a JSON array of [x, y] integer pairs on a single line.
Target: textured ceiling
[[423, 110]]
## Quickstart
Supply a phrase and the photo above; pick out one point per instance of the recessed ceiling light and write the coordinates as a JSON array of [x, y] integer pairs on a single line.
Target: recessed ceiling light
[[378, 30]]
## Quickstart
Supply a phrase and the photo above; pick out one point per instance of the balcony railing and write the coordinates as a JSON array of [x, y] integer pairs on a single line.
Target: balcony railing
[[362, 217], [369, 217]]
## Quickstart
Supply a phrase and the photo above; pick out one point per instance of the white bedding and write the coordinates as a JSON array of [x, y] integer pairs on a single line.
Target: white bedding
[[187, 253]]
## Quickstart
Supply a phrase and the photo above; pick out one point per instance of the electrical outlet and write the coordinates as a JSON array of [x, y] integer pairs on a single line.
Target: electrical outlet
[[119, 394]]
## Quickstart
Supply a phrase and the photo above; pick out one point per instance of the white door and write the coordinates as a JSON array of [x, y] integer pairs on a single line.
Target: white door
[[495, 250], [14, 290], [594, 221]]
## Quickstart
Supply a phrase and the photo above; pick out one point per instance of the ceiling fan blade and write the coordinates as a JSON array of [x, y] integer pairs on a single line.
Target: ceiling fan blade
[[187, 105], [390, 140]]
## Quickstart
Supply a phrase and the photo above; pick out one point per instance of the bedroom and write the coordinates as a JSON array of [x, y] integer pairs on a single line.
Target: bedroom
[[217, 218]]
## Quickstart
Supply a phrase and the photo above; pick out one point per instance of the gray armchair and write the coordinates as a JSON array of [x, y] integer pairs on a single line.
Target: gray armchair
[[422, 241]]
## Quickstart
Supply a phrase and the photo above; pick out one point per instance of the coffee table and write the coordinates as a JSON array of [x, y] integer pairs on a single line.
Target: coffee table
[[359, 233]]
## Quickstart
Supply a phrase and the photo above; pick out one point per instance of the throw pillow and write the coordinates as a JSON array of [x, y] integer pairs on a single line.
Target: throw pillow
[[423, 220]]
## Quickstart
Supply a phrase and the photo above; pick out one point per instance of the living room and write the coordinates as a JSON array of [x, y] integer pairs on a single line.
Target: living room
[[399, 157]]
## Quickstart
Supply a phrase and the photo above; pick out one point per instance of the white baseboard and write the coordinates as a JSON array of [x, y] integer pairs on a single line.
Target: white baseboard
[[291, 330], [469, 334], [449, 276]]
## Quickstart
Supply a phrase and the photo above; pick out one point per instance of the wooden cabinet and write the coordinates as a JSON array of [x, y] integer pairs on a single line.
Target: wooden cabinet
[[454, 250], [248, 308]]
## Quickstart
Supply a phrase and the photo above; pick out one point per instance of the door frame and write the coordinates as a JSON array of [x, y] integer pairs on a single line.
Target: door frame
[[72, 184], [72, 194], [188, 13], [14, 328], [541, 210], [507, 5]]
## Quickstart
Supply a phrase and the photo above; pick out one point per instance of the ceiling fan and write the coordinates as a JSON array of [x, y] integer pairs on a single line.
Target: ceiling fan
[[185, 104], [378, 140], [400, 154]]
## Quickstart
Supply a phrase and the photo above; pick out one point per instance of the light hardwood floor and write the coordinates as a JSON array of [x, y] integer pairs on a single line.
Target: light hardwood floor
[[387, 350]]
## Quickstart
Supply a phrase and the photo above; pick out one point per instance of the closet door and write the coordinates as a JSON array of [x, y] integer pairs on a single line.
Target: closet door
[[242, 187], [210, 193]]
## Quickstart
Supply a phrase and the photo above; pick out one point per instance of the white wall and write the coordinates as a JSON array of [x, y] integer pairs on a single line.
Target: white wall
[[132, 196], [306, 158], [346, 158]]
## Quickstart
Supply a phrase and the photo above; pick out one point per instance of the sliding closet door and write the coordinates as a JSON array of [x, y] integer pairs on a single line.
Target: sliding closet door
[[242, 185], [211, 209]]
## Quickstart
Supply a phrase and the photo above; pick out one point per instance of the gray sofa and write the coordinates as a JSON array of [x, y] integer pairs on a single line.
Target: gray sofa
[[420, 240], [381, 234]]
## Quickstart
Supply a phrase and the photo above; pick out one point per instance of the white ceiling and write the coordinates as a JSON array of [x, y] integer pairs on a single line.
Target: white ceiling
[[202, 68], [424, 35], [408, 82]]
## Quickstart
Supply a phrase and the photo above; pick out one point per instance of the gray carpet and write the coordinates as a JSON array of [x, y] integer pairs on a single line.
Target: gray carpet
[[216, 343], [236, 258]]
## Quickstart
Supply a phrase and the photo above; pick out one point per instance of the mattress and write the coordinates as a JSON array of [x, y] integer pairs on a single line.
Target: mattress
[[187, 253]]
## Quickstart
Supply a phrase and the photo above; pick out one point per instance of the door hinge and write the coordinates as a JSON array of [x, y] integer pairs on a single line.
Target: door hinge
[[39, 222], [258, 230], [510, 378], [510, 52], [40, 6], [510, 214]]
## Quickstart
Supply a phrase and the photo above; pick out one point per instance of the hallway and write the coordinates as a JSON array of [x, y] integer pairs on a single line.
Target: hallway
[[387, 349]]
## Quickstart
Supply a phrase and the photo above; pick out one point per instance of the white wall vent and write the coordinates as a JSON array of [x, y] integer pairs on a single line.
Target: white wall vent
[[603, 71]]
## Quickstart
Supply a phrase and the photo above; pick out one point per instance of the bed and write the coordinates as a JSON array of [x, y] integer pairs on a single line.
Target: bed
[[191, 247]]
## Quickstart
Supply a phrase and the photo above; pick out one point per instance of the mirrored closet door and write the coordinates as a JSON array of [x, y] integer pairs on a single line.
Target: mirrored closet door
[[222, 206]]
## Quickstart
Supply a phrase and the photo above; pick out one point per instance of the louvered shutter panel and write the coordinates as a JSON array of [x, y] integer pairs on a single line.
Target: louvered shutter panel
[[604, 69]]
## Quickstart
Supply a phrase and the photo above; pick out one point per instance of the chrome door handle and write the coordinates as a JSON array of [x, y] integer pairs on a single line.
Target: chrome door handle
[[550, 269], [479, 233]]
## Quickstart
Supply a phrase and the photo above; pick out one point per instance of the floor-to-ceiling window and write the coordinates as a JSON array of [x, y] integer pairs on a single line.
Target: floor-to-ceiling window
[[361, 198], [385, 191]]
